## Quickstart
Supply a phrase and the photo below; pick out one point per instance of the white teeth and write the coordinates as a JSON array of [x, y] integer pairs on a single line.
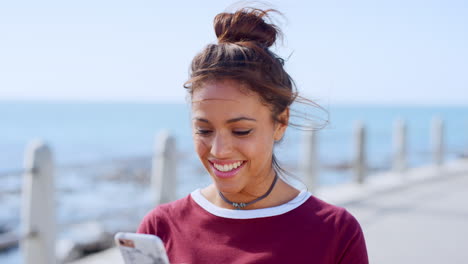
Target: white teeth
[[227, 167]]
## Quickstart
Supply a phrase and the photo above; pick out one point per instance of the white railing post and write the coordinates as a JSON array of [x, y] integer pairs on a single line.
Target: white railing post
[[38, 206], [309, 160], [399, 145], [164, 178], [437, 140], [359, 164]]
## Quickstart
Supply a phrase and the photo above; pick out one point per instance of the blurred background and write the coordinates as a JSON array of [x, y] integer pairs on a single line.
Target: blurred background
[[97, 80]]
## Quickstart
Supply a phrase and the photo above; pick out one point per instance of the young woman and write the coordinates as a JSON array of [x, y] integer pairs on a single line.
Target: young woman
[[240, 97]]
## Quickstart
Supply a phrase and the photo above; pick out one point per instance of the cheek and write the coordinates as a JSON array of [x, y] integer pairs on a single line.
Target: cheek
[[201, 147], [259, 147]]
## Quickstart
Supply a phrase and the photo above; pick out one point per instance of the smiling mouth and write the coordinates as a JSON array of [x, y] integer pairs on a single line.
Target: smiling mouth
[[227, 167], [227, 170]]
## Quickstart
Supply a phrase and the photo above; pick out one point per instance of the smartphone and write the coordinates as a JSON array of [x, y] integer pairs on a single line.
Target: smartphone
[[141, 248]]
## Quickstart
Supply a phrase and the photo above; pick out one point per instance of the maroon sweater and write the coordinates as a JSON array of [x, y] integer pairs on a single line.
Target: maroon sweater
[[304, 230]]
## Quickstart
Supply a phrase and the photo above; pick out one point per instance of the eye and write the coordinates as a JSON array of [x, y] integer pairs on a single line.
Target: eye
[[203, 132], [242, 132]]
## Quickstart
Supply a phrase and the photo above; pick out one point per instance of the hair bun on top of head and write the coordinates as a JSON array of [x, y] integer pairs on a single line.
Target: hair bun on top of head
[[246, 24]]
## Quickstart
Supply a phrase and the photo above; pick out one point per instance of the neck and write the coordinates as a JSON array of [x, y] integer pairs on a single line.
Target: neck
[[282, 193], [242, 205]]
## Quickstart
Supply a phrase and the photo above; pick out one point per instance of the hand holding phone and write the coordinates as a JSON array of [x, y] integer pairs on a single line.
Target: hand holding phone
[[141, 248]]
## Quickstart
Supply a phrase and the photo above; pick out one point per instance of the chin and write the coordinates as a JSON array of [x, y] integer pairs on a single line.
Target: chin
[[227, 187]]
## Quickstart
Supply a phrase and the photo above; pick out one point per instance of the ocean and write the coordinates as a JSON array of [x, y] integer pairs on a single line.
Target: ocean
[[104, 149], [88, 132]]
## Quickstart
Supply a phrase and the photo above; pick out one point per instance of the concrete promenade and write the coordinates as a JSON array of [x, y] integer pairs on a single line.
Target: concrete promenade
[[420, 216], [424, 223]]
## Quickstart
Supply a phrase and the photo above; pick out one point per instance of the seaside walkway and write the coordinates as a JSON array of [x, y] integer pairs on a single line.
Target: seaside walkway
[[420, 216], [425, 223]]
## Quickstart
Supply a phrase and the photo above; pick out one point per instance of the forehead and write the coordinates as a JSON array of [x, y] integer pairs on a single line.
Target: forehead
[[226, 98], [222, 90]]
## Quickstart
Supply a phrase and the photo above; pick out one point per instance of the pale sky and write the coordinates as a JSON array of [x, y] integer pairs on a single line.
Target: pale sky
[[348, 51]]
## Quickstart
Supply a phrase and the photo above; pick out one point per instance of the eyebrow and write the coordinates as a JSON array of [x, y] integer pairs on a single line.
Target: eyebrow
[[233, 120]]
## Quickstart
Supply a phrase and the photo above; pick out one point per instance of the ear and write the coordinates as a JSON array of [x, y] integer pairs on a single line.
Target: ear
[[280, 127]]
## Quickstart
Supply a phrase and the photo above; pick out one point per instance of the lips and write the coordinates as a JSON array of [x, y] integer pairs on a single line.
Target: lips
[[227, 169]]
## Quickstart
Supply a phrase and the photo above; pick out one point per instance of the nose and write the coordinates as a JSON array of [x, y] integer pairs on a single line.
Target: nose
[[221, 146]]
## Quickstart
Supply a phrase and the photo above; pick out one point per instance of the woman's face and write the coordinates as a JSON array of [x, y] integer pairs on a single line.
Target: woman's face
[[234, 135]]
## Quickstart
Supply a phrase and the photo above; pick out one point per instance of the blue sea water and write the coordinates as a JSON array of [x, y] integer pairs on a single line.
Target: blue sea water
[[86, 132], [89, 133]]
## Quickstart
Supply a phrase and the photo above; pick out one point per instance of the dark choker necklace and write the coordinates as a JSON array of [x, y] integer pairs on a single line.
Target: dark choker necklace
[[239, 206]]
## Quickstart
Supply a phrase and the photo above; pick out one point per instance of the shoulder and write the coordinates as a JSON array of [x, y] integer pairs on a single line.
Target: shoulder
[[339, 216], [157, 219], [347, 232], [342, 228], [326, 211], [333, 218]]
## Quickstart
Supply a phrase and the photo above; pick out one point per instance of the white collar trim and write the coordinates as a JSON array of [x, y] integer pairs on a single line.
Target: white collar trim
[[249, 214]]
